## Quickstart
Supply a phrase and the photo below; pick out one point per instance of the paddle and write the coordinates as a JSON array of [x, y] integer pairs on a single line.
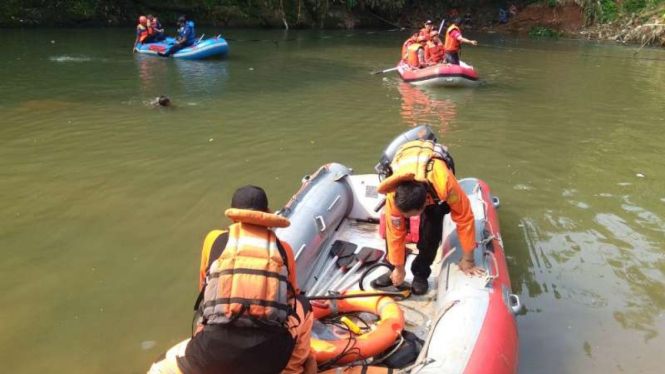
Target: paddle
[[376, 256], [344, 263], [441, 26], [340, 249], [365, 255], [384, 71]]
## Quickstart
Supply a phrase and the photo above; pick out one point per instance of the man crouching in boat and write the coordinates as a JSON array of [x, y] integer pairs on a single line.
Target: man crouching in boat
[[252, 320], [423, 184], [453, 42], [186, 37]]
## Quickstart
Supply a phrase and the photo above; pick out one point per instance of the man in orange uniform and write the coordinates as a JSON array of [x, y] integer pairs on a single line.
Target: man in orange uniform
[[241, 332], [426, 30], [453, 42], [422, 184]]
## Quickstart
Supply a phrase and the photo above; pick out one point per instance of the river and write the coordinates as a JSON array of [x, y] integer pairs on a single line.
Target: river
[[104, 200]]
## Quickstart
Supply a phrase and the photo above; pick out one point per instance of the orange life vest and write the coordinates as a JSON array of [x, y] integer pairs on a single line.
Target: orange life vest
[[407, 44], [452, 44], [142, 32], [433, 53], [412, 55], [425, 33], [248, 284], [412, 162]]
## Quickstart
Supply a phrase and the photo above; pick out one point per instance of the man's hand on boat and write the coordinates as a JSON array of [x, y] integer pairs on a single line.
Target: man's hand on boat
[[468, 265], [398, 275]]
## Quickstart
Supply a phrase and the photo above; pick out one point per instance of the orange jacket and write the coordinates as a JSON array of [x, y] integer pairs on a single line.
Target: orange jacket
[[142, 32], [452, 44], [444, 183], [433, 53], [425, 33], [412, 55], [407, 44], [215, 243]]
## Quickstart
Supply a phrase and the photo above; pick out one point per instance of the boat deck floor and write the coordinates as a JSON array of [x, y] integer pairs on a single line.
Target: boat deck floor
[[420, 310]]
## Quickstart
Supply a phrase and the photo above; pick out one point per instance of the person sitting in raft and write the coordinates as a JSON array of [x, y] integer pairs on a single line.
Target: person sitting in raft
[[423, 184], [453, 43], [415, 54], [426, 30], [434, 49], [142, 32], [238, 333], [155, 29], [186, 37], [410, 41]]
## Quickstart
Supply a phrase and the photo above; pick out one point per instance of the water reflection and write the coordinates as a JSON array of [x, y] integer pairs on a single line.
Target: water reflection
[[582, 258], [199, 77], [202, 76], [436, 107]]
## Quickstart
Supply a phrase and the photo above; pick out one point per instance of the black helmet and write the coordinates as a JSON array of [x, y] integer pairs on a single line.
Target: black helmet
[[182, 19]]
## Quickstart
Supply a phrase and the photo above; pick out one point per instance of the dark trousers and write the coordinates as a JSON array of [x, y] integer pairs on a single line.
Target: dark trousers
[[451, 58], [177, 47], [431, 231], [237, 350]]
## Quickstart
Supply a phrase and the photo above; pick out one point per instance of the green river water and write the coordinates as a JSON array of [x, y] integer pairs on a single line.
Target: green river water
[[104, 201]]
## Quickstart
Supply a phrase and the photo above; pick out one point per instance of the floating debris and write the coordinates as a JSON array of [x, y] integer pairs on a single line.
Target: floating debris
[[148, 344]]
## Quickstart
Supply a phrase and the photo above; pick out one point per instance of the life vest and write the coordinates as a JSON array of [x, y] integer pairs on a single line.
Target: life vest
[[142, 32], [413, 162], [407, 44], [452, 44], [248, 284], [154, 25], [412, 55], [433, 53], [191, 35]]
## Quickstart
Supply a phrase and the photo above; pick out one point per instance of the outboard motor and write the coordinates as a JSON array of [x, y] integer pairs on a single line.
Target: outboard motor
[[422, 132]]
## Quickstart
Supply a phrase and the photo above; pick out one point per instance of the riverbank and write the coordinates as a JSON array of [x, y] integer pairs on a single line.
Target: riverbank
[[627, 21], [646, 27]]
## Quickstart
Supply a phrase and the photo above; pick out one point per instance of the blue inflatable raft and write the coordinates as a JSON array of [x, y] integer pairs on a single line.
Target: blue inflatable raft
[[216, 46]]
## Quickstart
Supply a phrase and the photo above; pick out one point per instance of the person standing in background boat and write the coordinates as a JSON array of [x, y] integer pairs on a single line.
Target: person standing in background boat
[[239, 333], [423, 184], [453, 42], [186, 37], [142, 32], [155, 29]]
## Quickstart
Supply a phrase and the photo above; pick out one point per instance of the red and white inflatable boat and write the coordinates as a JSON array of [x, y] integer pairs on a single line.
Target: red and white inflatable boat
[[440, 75], [468, 323]]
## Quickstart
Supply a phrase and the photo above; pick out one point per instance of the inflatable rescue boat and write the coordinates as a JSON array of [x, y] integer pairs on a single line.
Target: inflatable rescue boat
[[439, 75], [210, 47], [465, 324]]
